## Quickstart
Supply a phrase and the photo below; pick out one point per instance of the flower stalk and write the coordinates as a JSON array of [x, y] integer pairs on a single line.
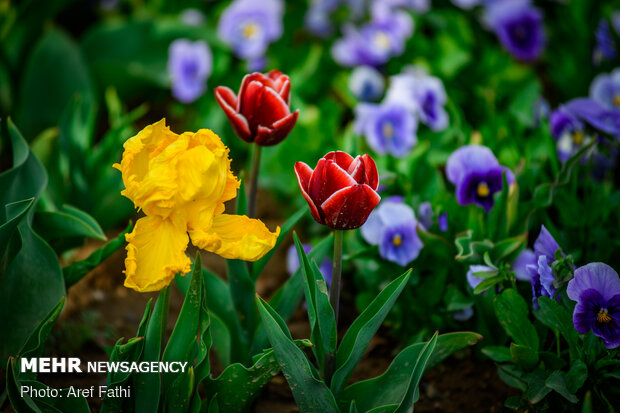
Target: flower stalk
[[254, 181], [334, 297]]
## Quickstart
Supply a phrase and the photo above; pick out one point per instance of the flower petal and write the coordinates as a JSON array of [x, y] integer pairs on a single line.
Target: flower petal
[[467, 159], [155, 253], [332, 179], [596, 275], [224, 97], [343, 159], [304, 173], [268, 136], [349, 207], [236, 237]]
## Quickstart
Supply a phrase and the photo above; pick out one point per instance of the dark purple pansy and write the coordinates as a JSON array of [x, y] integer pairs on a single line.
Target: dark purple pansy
[[477, 175], [596, 115], [596, 289], [519, 27]]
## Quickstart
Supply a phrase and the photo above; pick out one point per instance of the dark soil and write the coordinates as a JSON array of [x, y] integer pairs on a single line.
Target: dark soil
[[100, 310]]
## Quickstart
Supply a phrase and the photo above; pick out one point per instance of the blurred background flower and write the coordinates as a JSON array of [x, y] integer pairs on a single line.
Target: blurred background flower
[[189, 66], [388, 128]]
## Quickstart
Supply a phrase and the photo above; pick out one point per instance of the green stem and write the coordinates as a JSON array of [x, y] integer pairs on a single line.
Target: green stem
[[334, 298], [254, 181]]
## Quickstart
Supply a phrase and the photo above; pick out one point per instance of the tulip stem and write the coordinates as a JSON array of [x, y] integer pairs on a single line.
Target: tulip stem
[[334, 297], [254, 181]]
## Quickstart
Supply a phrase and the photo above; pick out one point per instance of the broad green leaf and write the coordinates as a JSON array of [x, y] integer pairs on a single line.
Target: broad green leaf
[[147, 386], [242, 291], [498, 354], [74, 272], [412, 393], [468, 250], [507, 247], [536, 388], [10, 242], [487, 283], [30, 288], [512, 313], [554, 316], [45, 93], [237, 386], [359, 334], [395, 380], [523, 356], [558, 382], [130, 351], [311, 394], [259, 266], [68, 222]]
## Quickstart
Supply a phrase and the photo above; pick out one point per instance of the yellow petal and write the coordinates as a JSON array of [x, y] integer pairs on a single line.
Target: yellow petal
[[236, 237], [155, 253]]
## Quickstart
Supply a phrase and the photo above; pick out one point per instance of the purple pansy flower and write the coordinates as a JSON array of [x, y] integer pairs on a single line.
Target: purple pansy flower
[[417, 6], [519, 266], [596, 115], [375, 42], [605, 89], [421, 93], [388, 128], [605, 48], [477, 175], [541, 274], [189, 66], [248, 27], [392, 226], [471, 274], [519, 27], [596, 289], [366, 83], [292, 263], [569, 132]]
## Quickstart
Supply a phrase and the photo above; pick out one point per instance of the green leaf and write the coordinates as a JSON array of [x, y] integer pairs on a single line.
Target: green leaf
[[259, 266], [242, 291], [286, 300], [147, 385], [487, 283], [320, 312], [35, 344], [395, 380], [238, 386], [536, 388], [30, 288], [130, 352], [45, 93], [523, 356], [10, 242], [507, 247], [468, 250], [558, 382], [498, 354], [69, 222], [311, 394], [182, 342], [358, 336], [498, 216], [512, 313], [554, 316], [412, 393], [74, 272]]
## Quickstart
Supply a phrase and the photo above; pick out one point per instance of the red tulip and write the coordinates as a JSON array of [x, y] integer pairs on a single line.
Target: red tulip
[[341, 191], [261, 112]]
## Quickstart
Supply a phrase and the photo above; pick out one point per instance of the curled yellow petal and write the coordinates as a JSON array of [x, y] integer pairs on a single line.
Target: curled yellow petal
[[236, 237], [155, 253]]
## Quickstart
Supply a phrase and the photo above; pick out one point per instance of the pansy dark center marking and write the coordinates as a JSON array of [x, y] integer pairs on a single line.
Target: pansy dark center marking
[[397, 240], [250, 30], [603, 316], [388, 130], [578, 137], [616, 99], [483, 190]]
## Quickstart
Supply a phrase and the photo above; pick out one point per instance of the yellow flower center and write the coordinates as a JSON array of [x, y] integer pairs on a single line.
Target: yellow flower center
[[382, 41], [603, 316], [483, 190], [616, 99], [397, 240], [578, 137], [388, 130], [250, 30]]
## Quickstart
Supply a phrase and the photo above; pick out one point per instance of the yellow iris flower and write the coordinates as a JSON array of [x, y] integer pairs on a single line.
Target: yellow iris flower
[[181, 183]]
